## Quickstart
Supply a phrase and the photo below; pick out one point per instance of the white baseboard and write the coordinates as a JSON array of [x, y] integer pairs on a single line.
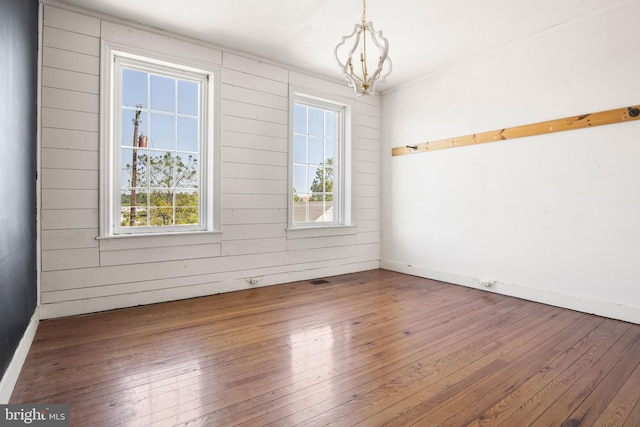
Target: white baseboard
[[609, 309], [10, 377]]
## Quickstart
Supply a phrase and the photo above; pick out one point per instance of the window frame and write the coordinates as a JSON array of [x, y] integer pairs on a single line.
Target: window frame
[[341, 198], [110, 148]]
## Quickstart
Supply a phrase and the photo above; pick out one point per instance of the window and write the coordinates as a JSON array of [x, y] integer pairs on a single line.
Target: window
[[159, 147], [318, 163]]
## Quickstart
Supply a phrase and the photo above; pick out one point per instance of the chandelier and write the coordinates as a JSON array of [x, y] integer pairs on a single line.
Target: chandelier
[[360, 79]]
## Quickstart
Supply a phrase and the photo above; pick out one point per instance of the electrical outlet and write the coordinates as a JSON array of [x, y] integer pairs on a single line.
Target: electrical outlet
[[253, 280], [487, 283]]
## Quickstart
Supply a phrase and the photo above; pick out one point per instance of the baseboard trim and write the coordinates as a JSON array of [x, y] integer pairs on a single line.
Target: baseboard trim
[[558, 299], [10, 377]]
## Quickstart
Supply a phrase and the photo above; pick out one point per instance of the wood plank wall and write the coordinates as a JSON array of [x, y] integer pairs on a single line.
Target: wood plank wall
[[82, 274]]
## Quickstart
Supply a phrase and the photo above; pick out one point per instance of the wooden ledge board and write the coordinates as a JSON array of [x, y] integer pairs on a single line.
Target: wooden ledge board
[[568, 123]]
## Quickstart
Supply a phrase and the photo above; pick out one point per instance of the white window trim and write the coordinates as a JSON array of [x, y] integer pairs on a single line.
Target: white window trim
[[210, 191], [346, 224]]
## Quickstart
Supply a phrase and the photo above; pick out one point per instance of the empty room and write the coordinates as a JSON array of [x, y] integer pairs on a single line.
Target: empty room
[[312, 213]]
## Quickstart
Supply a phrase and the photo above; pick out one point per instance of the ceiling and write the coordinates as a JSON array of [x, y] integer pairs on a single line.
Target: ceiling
[[424, 35]]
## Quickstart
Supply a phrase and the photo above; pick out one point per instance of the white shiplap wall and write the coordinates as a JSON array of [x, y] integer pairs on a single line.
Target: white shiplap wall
[[82, 274]]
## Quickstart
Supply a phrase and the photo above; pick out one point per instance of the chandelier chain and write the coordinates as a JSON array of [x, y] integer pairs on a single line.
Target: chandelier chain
[[364, 12]]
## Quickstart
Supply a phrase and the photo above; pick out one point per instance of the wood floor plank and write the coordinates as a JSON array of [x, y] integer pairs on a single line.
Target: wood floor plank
[[622, 403], [368, 349], [598, 344], [432, 398]]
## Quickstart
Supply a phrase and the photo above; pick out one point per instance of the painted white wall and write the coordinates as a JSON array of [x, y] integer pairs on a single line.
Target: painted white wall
[[81, 274], [552, 218]]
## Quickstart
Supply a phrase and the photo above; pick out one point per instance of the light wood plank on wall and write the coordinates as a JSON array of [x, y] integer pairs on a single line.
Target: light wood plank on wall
[[255, 215], [69, 239], [254, 186], [71, 80], [368, 134], [67, 119], [248, 201], [66, 259], [69, 219], [254, 142], [69, 179], [89, 290], [323, 87], [252, 66], [71, 61], [159, 240], [365, 120], [193, 286], [251, 96], [67, 139], [368, 191], [367, 202], [69, 159], [367, 238], [256, 157], [70, 100], [368, 179], [368, 226], [254, 127], [367, 167], [257, 83], [321, 242], [253, 246], [67, 40], [240, 170], [254, 112], [368, 214], [368, 156], [130, 273], [153, 255], [160, 42], [253, 231], [69, 199], [71, 21]]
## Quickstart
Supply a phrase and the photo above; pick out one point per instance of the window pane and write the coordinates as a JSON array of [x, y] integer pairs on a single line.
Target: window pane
[[134, 88], [316, 150], [160, 216], [299, 118], [299, 209], [316, 207], [329, 145], [299, 149], [327, 210], [162, 131], [186, 171], [187, 134], [163, 93], [316, 121], [186, 207], [316, 178], [161, 170], [128, 118], [135, 216], [127, 175], [328, 180], [188, 97], [300, 179], [331, 124]]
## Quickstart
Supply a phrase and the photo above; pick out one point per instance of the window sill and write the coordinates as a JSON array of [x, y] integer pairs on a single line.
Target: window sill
[[321, 231]]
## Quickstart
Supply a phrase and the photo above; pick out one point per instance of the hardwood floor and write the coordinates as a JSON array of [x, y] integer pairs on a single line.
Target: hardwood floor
[[367, 349]]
